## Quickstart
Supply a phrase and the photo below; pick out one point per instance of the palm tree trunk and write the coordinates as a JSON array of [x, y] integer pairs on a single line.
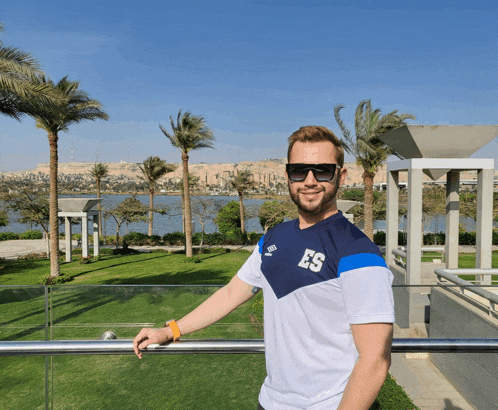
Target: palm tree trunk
[[54, 207], [100, 209], [368, 178], [241, 210], [188, 212], [151, 207]]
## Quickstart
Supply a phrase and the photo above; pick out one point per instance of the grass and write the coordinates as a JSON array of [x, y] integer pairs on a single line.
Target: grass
[[465, 261], [81, 310]]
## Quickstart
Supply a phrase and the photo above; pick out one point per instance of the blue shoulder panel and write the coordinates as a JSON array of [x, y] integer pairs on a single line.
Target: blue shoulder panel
[[360, 260], [260, 244]]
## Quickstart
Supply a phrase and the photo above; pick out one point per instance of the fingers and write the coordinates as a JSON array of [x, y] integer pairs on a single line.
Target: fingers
[[141, 341], [147, 337]]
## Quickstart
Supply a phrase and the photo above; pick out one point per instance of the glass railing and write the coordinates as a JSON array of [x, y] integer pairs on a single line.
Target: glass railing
[[184, 381]]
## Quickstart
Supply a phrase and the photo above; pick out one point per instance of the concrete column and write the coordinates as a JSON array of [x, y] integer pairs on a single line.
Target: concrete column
[[392, 215], [84, 236], [484, 224], [452, 218], [414, 247], [96, 239], [69, 234]]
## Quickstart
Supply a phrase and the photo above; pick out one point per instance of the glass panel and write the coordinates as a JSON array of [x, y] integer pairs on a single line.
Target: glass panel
[[22, 313], [86, 312], [22, 317], [178, 381]]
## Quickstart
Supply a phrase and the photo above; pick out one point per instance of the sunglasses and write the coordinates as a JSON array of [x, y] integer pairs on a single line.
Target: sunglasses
[[321, 172]]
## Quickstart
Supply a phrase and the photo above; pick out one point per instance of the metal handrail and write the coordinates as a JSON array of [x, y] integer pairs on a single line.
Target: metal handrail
[[448, 274], [125, 347]]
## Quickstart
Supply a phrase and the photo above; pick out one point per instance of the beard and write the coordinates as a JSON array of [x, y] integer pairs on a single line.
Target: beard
[[314, 208]]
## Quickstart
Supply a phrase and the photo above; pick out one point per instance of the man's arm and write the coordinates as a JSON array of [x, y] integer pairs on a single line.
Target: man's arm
[[218, 305], [373, 342]]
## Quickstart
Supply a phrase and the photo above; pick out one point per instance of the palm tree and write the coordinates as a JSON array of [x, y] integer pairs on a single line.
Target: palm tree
[[153, 169], [77, 107], [370, 152], [99, 171], [21, 90], [193, 183], [189, 133], [241, 182]]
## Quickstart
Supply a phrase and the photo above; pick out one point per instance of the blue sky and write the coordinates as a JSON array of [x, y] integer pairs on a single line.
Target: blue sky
[[256, 70]]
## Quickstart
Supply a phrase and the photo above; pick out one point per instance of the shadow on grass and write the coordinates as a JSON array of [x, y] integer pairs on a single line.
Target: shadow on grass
[[192, 276], [119, 264]]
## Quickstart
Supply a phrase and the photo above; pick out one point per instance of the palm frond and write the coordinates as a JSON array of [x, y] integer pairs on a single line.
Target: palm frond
[[347, 141]]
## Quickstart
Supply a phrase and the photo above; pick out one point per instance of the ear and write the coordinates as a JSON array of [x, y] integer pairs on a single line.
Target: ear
[[342, 176]]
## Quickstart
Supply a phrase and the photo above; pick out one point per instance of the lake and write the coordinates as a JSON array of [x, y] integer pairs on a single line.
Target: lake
[[173, 221]]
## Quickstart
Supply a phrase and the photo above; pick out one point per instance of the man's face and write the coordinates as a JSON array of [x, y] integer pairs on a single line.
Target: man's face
[[315, 198]]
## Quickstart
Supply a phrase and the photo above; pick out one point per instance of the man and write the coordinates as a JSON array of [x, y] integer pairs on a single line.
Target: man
[[327, 291]]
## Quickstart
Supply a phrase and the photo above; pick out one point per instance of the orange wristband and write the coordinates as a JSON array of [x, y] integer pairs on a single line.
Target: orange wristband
[[176, 330]]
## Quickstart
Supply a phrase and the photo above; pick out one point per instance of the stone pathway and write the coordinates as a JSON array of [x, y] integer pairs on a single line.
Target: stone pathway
[[421, 379]]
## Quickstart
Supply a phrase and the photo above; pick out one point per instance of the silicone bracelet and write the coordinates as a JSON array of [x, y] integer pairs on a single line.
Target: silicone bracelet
[[176, 330]]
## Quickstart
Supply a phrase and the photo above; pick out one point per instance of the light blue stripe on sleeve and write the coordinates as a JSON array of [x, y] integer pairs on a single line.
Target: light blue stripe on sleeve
[[360, 260]]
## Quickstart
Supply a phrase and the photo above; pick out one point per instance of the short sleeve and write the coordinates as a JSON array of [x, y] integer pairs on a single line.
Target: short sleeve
[[368, 295], [250, 272]]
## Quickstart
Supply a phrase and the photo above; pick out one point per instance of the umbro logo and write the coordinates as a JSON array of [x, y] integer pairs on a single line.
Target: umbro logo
[[270, 249]]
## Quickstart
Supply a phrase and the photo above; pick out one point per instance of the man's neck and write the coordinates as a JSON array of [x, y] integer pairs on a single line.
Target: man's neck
[[306, 220]]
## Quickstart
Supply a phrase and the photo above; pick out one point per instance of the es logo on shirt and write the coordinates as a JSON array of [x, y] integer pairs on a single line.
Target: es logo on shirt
[[312, 260]]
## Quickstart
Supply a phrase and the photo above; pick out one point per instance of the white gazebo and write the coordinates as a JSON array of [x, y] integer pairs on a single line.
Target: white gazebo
[[344, 206], [70, 208], [437, 150]]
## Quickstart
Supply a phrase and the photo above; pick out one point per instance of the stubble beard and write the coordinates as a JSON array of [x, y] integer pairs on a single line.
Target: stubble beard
[[314, 209]]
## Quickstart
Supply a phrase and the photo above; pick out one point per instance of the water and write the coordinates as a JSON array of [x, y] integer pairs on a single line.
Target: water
[[172, 222]]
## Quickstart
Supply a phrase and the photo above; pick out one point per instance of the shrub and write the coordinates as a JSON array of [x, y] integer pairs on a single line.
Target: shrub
[[467, 238], [8, 236], [214, 238], [229, 217], [34, 255], [254, 238], [379, 238], [174, 238], [235, 237], [31, 235], [48, 280], [85, 260], [136, 238], [402, 238], [430, 238]]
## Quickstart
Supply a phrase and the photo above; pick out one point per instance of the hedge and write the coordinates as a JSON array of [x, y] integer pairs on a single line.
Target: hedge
[[465, 238]]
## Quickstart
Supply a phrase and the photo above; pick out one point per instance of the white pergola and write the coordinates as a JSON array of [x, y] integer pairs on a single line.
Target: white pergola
[[80, 208], [484, 223]]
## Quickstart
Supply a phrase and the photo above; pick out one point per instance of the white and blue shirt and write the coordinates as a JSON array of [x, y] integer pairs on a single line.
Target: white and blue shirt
[[316, 282]]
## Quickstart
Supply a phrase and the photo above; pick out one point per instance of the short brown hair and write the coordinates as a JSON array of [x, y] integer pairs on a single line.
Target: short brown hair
[[313, 133]]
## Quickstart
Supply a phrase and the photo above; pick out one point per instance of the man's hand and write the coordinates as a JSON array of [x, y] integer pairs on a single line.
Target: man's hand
[[149, 336]]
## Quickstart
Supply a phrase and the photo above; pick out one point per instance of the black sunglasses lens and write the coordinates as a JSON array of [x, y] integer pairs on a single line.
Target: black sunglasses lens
[[321, 172], [298, 173], [324, 172]]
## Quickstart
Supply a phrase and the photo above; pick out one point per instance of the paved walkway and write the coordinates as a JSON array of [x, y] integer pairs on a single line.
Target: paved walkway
[[14, 249], [421, 379]]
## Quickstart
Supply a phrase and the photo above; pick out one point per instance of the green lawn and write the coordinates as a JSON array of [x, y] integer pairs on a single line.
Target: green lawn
[[81, 310], [465, 261]]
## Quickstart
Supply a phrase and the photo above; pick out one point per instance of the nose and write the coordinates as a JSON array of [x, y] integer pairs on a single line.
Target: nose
[[310, 179]]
